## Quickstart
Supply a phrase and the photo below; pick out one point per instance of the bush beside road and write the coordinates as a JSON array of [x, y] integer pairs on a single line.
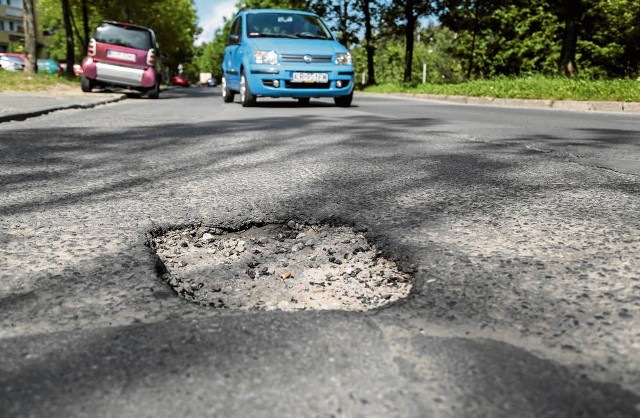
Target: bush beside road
[[19, 81], [535, 87]]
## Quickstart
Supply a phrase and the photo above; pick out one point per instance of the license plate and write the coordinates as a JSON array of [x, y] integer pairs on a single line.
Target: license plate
[[310, 77], [121, 55]]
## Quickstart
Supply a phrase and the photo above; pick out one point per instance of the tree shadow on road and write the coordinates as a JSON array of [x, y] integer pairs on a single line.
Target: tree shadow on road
[[408, 180]]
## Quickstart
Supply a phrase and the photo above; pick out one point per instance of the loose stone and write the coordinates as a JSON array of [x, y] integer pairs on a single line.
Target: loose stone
[[314, 267]]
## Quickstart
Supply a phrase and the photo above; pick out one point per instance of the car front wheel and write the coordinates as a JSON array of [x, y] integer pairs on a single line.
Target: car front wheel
[[86, 84], [343, 101], [246, 97], [227, 95]]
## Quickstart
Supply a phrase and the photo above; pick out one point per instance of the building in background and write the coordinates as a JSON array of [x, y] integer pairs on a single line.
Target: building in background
[[11, 23], [12, 28]]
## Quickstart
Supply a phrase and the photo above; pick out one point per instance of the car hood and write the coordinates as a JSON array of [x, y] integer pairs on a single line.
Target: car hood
[[298, 46]]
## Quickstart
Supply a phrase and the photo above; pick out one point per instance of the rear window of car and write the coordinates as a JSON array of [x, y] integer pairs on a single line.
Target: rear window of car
[[286, 25], [127, 36]]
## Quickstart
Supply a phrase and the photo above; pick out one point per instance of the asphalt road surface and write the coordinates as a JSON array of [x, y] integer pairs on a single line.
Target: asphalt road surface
[[521, 227]]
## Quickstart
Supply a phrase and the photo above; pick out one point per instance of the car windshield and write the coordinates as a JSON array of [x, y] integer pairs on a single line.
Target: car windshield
[[123, 35], [286, 25]]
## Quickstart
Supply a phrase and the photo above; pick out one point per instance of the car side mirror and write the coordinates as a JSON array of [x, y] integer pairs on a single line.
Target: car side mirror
[[234, 39]]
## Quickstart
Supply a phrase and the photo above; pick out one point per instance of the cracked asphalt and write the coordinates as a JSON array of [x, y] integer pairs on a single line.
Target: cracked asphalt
[[520, 227]]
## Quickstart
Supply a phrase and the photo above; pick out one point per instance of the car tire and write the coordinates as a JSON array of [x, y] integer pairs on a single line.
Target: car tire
[[154, 92], [344, 101], [86, 84], [227, 95], [246, 97], [304, 100]]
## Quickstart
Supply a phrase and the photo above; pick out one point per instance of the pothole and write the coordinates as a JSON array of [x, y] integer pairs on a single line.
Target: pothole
[[289, 267]]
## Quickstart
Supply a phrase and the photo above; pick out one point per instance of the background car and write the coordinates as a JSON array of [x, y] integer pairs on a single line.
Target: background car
[[48, 66], [212, 82], [122, 55], [77, 69], [12, 62], [180, 80]]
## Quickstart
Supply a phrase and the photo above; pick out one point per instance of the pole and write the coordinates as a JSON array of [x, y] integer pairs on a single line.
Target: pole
[[424, 72]]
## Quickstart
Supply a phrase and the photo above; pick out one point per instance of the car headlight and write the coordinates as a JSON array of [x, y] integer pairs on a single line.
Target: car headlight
[[344, 59], [266, 57]]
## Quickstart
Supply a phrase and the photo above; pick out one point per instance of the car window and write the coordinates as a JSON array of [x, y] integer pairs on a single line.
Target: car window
[[286, 25], [13, 58], [236, 28], [124, 36]]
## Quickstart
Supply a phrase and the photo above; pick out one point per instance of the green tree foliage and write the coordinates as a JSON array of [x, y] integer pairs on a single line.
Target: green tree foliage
[[600, 38], [342, 16], [433, 47], [476, 38], [609, 42], [403, 17], [495, 38]]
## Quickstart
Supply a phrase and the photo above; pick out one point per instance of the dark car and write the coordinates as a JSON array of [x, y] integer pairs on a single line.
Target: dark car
[[180, 80], [122, 55], [212, 82]]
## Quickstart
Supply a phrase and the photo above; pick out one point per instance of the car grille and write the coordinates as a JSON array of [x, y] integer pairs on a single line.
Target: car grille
[[291, 85], [300, 58]]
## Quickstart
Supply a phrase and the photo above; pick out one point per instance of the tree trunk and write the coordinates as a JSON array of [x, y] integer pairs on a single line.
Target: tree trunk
[[409, 36], [30, 37], [573, 16], [85, 22], [476, 29], [343, 22], [68, 29], [371, 79]]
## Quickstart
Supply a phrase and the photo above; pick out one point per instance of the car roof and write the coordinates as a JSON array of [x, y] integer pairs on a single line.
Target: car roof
[[260, 11], [126, 25], [13, 54]]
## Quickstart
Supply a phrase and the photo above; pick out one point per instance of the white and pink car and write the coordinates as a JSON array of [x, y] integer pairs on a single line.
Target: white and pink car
[[122, 55]]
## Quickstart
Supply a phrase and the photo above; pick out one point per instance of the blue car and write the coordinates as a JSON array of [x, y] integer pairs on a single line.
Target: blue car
[[48, 66], [285, 53]]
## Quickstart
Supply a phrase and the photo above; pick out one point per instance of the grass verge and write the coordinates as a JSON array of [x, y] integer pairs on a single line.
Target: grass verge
[[532, 87], [19, 81]]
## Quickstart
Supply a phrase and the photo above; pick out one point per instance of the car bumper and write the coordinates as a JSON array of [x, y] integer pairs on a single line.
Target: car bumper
[[276, 81], [119, 75]]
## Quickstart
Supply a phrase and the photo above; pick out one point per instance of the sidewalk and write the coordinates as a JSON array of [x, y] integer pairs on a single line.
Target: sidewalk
[[21, 105], [574, 105]]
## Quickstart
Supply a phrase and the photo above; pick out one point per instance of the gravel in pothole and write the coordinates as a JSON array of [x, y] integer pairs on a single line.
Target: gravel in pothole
[[288, 267]]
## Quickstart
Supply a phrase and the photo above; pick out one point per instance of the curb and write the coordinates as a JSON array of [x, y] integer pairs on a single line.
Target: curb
[[34, 113], [571, 105]]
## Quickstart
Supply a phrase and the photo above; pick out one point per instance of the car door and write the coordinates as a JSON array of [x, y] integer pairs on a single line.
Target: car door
[[233, 55]]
